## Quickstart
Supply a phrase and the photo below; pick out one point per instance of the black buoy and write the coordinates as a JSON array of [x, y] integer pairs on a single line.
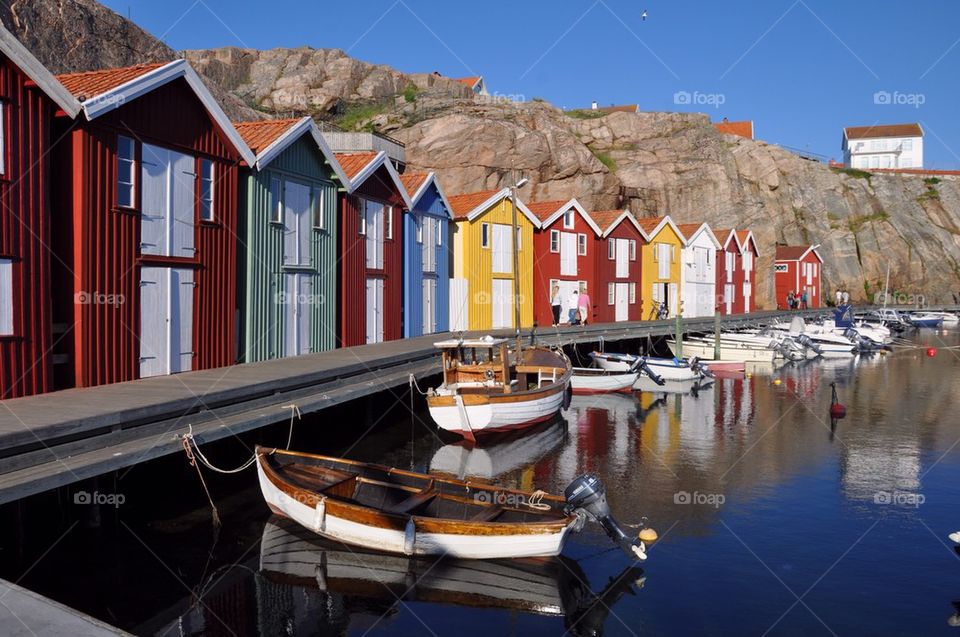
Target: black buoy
[[837, 410]]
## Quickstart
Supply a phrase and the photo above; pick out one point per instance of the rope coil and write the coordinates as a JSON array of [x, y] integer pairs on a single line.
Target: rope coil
[[536, 501]]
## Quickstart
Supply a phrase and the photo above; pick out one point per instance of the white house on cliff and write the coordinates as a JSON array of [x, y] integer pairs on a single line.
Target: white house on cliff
[[888, 146]]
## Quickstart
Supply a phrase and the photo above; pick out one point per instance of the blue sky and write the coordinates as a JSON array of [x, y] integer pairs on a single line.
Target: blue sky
[[801, 69]]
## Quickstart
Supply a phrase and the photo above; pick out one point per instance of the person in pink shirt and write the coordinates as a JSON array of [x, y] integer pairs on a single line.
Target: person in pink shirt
[[584, 304]]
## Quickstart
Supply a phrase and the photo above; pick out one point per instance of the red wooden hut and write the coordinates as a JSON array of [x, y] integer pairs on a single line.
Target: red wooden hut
[[618, 263], [748, 264], [797, 269], [729, 273], [564, 256], [29, 96], [370, 267], [146, 216]]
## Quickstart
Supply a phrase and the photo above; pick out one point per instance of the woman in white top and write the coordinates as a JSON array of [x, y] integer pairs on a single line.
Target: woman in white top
[[556, 304]]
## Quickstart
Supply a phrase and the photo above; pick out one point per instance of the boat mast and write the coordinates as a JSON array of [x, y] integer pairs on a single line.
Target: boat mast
[[886, 287], [515, 184]]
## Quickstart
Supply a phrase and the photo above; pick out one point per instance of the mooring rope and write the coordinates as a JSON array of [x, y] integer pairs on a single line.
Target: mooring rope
[[294, 411], [536, 501], [215, 515]]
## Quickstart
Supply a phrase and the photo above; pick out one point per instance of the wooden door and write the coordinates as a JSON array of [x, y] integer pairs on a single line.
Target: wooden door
[[502, 304], [621, 301], [374, 310]]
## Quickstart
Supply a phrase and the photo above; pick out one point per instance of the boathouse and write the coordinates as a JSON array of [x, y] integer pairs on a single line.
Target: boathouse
[[426, 256], [748, 265], [729, 273], [29, 96], [287, 287], [660, 270], [798, 269], [370, 256], [564, 256], [481, 289], [699, 269], [145, 206], [617, 295]]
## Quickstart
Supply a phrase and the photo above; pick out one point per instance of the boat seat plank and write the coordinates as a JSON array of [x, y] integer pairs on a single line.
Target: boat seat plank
[[414, 501], [317, 478], [487, 514]]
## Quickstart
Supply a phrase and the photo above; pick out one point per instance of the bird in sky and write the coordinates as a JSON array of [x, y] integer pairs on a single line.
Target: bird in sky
[[643, 16]]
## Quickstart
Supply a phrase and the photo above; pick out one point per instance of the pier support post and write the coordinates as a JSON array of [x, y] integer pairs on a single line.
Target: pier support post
[[679, 329], [716, 335]]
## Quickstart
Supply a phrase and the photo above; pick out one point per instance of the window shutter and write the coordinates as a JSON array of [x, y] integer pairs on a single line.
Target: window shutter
[[183, 185], [154, 208], [6, 297], [183, 286]]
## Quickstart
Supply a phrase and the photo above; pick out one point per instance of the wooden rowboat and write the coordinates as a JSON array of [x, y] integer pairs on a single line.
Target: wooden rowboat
[[409, 513], [488, 388]]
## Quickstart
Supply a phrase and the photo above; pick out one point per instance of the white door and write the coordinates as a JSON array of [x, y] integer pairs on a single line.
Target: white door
[[429, 306], [623, 258], [166, 321], [167, 203], [568, 254], [621, 301], [566, 291], [374, 221], [747, 292], [459, 290], [297, 223], [664, 253], [502, 248], [374, 310], [502, 303], [298, 301], [672, 303], [728, 293]]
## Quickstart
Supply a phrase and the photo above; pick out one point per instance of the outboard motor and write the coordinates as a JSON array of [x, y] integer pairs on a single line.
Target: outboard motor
[[643, 367], [809, 343], [698, 367], [588, 495]]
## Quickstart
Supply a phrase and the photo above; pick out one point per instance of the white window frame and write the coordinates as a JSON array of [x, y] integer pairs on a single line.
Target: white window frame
[[633, 249], [3, 139], [317, 202], [611, 249], [581, 244], [132, 160], [555, 241], [418, 224], [519, 242], [388, 222], [276, 199], [633, 293], [568, 219], [611, 293], [207, 203], [485, 235], [7, 327]]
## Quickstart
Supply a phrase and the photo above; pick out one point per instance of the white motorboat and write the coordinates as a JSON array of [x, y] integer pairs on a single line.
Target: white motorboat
[[487, 388], [594, 380], [739, 351], [666, 368]]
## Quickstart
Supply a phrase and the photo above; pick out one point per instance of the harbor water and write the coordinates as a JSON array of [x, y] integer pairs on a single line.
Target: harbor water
[[773, 519]]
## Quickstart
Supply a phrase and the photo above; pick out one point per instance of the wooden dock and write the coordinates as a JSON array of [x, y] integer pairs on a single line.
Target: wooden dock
[[24, 613], [55, 439]]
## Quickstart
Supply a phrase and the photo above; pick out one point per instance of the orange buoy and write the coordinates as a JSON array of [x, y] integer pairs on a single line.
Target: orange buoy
[[837, 410], [931, 351]]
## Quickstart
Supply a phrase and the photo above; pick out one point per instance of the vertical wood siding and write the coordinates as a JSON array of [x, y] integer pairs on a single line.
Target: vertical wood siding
[[650, 272], [475, 264], [607, 273], [546, 266], [103, 242], [736, 307], [261, 288], [25, 359], [352, 268], [430, 204]]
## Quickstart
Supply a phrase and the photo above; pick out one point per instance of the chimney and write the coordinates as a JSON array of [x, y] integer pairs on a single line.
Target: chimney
[[593, 105]]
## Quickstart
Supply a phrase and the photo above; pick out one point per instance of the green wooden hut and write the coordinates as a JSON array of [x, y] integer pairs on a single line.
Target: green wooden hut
[[286, 301]]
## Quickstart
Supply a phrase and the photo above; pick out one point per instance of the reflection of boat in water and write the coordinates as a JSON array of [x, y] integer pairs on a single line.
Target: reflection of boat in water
[[673, 386], [305, 581], [508, 454]]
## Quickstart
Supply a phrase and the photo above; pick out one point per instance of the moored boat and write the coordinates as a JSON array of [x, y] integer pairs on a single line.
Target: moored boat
[[409, 513], [666, 368], [593, 380], [488, 388]]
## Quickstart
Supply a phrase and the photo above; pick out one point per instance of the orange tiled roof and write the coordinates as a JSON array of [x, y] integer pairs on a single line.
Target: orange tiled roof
[[791, 253], [742, 129], [742, 236], [688, 229], [353, 163], [649, 224], [463, 204], [723, 235], [413, 181], [259, 135], [605, 218], [92, 83], [889, 130], [622, 108], [543, 209], [469, 81]]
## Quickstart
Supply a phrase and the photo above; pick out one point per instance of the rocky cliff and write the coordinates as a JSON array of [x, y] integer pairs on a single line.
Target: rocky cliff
[[653, 163]]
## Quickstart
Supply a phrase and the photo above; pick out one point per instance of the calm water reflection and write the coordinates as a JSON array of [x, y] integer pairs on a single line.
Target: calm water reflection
[[771, 518]]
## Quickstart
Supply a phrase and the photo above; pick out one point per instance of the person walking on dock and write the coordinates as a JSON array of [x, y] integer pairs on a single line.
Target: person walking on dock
[[790, 300], [839, 297], [803, 300], [573, 306], [584, 304], [846, 298], [556, 304]]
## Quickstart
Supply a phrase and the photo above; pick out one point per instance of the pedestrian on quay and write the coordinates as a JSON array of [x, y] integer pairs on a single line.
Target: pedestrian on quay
[[556, 304], [584, 304], [790, 300], [573, 306], [846, 298], [839, 297], [803, 300]]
